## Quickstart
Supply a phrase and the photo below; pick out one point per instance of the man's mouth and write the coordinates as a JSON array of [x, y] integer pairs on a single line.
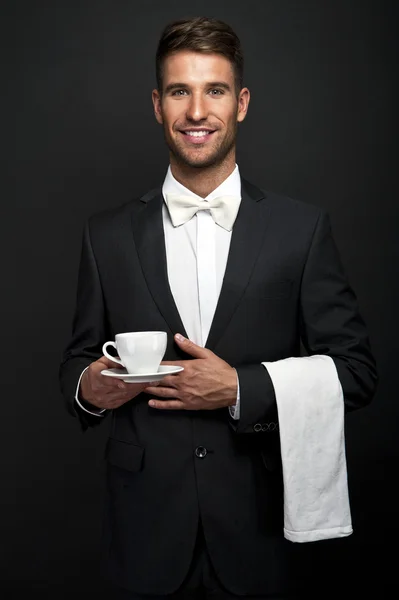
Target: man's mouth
[[197, 136]]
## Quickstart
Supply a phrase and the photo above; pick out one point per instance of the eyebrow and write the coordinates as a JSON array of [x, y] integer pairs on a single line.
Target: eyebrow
[[212, 84]]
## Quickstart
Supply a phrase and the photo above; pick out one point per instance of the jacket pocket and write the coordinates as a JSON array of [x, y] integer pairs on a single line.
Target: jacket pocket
[[124, 455]]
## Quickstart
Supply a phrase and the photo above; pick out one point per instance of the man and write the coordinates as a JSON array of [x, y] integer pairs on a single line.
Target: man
[[195, 494]]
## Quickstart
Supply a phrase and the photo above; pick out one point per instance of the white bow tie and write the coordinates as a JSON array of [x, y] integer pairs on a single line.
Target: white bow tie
[[223, 209]]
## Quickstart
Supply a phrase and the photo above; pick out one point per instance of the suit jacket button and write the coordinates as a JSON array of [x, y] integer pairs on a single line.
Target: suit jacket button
[[257, 427], [201, 452]]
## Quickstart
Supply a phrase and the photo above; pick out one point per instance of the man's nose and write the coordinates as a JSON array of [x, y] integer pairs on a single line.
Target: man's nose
[[197, 108]]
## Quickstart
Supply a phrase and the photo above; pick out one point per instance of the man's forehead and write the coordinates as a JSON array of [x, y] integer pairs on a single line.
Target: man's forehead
[[197, 66]]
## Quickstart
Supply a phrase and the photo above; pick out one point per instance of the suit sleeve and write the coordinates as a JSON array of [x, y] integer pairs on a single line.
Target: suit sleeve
[[88, 332], [330, 324]]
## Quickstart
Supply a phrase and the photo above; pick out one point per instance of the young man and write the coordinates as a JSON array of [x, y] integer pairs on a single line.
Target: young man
[[196, 500]]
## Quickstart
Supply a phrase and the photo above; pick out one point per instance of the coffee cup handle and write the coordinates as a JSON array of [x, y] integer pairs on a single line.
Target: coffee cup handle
[[117, 360]]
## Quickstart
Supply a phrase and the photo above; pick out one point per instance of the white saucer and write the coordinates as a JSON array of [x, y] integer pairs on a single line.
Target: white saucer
[[121, 373]]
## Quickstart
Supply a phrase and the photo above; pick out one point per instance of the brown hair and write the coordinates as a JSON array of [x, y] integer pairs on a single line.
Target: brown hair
[[201, 34]]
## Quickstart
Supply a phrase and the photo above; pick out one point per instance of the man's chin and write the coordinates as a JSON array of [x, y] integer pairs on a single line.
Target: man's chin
[[197, 162]]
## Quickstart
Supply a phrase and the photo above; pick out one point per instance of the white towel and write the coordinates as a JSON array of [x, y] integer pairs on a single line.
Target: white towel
[[310, 407]]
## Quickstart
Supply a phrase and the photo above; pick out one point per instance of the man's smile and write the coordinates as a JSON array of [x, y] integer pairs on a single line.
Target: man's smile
[[197, 136]]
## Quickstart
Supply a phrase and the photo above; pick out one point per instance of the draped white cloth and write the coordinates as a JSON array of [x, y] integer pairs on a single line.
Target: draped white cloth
[[310, 408]]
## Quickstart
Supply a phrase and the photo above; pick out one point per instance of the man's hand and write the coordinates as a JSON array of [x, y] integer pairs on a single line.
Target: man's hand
[[207, 382], [106, 392]]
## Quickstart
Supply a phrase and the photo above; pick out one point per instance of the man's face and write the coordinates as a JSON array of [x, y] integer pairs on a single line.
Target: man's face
[[199, 108]]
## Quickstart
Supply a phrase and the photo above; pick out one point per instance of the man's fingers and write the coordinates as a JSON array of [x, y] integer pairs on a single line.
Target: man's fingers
[[166, 404], [173, 363], [111, 382], [191, 348], [176, 363], [115, 398], [106, 363], [130, 391], [163, 392], [167, 381]]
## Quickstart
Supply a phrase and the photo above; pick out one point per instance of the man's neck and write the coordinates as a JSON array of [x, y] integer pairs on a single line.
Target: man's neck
[[202, 181]]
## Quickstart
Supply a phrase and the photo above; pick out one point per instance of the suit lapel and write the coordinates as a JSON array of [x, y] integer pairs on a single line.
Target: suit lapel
[[149, 237], [246, 241]]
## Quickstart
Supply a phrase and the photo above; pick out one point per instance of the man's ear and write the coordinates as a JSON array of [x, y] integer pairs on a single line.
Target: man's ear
[[243, 102], [156, 100]]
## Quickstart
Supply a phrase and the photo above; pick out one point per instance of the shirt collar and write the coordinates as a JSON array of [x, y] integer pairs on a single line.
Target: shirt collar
[[229, 187]]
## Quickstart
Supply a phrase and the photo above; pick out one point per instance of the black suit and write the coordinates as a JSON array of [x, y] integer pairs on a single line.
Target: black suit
[[283, 283]]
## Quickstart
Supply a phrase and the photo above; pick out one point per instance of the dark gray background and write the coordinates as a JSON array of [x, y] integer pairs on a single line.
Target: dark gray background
[[79, 136]]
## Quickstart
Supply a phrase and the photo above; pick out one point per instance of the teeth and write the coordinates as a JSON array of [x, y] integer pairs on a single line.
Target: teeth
[[197, 133]]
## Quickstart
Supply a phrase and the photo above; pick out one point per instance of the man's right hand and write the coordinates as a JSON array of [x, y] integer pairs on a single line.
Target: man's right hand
[[106, 392]]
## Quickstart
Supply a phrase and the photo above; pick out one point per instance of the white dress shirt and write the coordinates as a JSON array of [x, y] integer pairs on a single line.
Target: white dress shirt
[[196, 256]]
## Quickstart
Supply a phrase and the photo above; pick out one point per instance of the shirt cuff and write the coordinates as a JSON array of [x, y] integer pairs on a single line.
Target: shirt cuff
[[91, 412], [235, 410]]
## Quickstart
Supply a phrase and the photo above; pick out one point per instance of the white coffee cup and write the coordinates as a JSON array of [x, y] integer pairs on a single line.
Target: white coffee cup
[[139, 351]]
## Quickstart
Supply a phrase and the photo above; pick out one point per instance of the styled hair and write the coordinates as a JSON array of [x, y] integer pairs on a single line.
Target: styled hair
[[201, 34]]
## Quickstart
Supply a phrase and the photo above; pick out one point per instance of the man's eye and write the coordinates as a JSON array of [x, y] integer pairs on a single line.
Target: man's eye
[[179, 93], [216, 92]]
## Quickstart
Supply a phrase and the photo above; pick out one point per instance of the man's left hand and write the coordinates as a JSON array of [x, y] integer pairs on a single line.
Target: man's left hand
[[207, 382]]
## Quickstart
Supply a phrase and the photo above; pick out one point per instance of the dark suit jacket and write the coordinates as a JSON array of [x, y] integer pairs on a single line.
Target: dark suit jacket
[[284, 283]]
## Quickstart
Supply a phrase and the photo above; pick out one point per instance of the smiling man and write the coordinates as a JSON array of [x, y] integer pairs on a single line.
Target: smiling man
[[200, 104], [213, 473]]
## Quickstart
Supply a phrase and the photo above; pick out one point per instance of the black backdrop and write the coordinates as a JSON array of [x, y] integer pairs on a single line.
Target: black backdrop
[[80, 136]]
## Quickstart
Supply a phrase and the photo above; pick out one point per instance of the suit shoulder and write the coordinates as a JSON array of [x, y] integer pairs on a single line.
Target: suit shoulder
[[114, 216], [292, 206], [283, 204]]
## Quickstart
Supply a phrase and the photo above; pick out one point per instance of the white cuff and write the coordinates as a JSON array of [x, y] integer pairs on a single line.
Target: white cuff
[[235, 410], [96, 414]]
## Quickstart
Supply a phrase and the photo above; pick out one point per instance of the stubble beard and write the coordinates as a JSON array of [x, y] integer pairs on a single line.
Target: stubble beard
[[213, 159]]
